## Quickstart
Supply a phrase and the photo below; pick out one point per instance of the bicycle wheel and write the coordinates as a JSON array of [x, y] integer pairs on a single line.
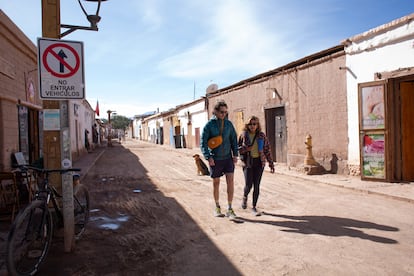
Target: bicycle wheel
[[81, 208], [29, 239]]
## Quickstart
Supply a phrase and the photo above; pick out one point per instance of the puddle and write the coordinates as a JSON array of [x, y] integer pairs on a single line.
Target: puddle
[[107, 222], [123, 219], [109, 226], [106, 179], [137, 191]]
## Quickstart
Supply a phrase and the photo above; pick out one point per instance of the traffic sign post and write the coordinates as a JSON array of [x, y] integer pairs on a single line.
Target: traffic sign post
[[61, 74], [61, 79]]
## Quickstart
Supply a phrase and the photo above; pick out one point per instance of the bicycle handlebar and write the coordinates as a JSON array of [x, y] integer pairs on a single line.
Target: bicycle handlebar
[[61, 171]]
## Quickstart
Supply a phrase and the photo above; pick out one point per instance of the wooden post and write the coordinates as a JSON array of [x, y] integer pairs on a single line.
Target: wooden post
[[109, 128], [57, 143]]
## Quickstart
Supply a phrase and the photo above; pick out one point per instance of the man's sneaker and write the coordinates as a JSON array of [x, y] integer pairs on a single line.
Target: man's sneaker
[[254, 211], [244, 203], [230, 214], [218, 213]]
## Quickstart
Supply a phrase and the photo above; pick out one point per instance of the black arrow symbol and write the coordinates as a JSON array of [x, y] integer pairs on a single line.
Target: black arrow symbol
[[62, 55]]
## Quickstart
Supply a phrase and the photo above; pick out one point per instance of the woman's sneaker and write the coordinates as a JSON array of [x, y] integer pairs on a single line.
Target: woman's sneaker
[[254, 211], [218, 213], [244, 203]]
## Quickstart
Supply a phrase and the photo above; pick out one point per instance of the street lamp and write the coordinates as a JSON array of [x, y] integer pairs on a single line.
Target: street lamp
[[92, 18], [110, 127]]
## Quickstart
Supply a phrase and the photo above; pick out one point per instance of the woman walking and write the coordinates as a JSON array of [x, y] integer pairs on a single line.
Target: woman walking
[[254, 149]]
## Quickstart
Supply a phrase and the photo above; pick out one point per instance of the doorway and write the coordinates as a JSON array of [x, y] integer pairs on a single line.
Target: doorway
[[30, 134], [407, 130], [277, 133]]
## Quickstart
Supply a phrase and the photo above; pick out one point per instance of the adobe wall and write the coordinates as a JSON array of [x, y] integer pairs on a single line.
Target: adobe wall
[[18, 63], [315, 100]]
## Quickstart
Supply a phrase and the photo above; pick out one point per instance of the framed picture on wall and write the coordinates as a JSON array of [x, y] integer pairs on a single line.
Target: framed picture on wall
[[372, 107], [373, 155]]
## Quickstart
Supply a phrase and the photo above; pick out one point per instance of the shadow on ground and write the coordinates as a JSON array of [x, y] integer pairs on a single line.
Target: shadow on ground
[[135, 229], [328, 226]]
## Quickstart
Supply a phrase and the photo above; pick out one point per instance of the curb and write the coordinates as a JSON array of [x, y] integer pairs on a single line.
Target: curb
[[356, 189], [87, 167]]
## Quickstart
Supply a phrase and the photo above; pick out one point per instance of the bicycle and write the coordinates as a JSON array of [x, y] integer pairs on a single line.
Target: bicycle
[[31, 233]]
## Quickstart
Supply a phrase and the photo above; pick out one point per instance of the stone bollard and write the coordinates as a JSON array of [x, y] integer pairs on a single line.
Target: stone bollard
[[311, 166], [309, 160]]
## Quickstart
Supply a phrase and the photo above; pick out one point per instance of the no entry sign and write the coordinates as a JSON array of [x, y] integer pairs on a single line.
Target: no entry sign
[[61, 73]]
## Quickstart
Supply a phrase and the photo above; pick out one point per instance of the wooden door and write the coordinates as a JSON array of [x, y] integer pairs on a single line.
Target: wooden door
[[407, 130], [33, 136], [276, 131], [197, 137], [281, 138]]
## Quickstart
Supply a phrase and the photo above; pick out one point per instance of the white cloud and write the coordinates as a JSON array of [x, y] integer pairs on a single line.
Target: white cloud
[[235, 41]]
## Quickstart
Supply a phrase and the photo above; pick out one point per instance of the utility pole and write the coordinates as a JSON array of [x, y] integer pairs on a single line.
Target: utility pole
[[56, 143], [109, 127]]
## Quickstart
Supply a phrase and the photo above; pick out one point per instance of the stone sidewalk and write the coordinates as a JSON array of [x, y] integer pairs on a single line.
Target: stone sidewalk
[[87, 161]]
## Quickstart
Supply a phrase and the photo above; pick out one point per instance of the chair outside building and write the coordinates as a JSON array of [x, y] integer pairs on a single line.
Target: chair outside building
[[9, 195]]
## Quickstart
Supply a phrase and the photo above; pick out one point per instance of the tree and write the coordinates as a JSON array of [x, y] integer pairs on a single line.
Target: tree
[[120, 122]]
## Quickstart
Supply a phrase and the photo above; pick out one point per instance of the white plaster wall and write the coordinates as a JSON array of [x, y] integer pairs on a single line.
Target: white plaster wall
[[182, 116], [387, 51], [199, 120], [137, 126], [85, 118], [152, 125], [198, 116]]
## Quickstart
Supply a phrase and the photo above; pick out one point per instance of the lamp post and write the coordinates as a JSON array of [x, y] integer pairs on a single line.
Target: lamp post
[[56, 143], [109, 127]]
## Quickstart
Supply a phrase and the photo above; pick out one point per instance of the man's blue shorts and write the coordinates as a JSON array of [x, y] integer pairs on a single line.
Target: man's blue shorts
[[222, 167]]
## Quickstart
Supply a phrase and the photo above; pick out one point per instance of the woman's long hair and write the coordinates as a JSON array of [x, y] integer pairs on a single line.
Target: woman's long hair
[[252, 118]]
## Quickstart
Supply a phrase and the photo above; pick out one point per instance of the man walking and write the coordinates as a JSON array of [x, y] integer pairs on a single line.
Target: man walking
[[221, 157]]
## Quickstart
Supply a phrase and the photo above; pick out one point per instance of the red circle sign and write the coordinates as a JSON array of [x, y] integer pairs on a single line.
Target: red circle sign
[[72, 70]]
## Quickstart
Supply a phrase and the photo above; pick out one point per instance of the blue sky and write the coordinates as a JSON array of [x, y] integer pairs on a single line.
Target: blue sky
[[151, 54]]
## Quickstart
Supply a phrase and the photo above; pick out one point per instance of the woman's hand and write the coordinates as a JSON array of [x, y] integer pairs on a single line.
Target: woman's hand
[[235, 160]]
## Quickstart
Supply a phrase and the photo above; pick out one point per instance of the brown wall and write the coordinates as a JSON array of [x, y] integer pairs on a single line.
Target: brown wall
[[314, 97], [18, 63]]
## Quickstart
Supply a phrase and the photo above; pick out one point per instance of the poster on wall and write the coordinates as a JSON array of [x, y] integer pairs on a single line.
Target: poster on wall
[[373, 155], [372, 107], [24, 132], [51, 119]]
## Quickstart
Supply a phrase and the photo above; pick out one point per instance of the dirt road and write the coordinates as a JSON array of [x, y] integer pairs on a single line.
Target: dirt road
[[152, 215]]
